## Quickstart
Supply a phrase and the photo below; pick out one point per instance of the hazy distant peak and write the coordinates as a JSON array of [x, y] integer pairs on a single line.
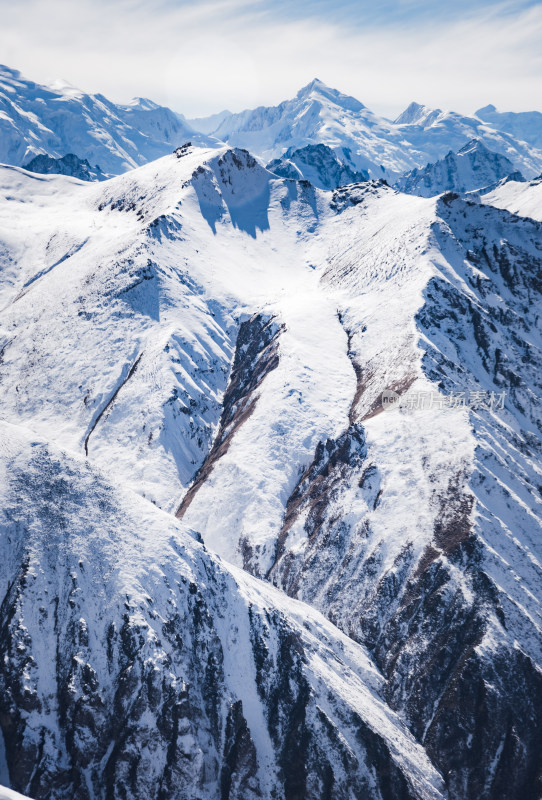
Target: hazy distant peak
[[317, 87], [416, 114]]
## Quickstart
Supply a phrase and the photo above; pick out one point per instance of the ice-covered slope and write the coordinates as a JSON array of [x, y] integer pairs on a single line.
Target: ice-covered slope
[[58, 120], [474, 167], [520, 198], [320, 115], [318, 164], [217, 339]]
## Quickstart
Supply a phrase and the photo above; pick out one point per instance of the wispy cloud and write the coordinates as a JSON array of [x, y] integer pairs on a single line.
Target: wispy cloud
[[202, 57]]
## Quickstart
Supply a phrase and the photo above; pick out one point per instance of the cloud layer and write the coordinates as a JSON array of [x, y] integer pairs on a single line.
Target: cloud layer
[[202, 57]]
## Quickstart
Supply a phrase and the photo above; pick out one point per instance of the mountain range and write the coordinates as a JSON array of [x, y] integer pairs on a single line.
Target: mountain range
[[318, 114], [472, 168], [270, 454], [60, 119]]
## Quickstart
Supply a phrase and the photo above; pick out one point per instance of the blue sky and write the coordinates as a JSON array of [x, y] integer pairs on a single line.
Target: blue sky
[[205, 56]]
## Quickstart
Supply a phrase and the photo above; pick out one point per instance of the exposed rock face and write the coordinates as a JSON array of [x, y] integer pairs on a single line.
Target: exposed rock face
[[255, 356], [442, 620], [472, 168], [135, 665], [216, 341], [69, 164], [319, 164]]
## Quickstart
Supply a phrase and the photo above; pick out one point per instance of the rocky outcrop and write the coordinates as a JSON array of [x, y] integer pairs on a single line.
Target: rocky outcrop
[[441, 618], [319, 164], [228, 342], [255, 356], [135, 665], [69, 164], [473, 168]]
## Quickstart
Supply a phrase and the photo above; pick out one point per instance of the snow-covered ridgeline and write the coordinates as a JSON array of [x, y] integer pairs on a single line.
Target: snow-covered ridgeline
[[203, 320]]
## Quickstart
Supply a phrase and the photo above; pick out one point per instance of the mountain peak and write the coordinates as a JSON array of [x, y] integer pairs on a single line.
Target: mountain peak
[[412, 111], [142, 104], [490, 109], [319, 88], [473, 168], [10, 79], [473, 145], [62, 86], [416, 113]]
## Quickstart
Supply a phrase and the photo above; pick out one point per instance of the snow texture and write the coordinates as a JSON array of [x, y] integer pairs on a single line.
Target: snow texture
[[349, 602]]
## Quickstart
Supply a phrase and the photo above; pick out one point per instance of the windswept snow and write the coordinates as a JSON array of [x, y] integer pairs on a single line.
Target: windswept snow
[[524, 199]]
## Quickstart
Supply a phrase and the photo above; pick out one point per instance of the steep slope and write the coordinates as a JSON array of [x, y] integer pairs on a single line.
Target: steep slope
[[57, 120], [218, 340], [367, 142], [474, 167], [520, 198], [318, 114], [417, 114], [416, 531], [318, 164], [119, 321], [431, 514], [136, 665]]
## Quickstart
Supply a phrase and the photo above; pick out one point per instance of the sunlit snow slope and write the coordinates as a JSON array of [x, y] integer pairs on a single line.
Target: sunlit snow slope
[[524, 199], [361, 139], [205, 337]]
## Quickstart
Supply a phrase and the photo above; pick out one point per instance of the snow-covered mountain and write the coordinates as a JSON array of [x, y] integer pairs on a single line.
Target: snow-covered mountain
[[60, 119], [70, 164], [434, 133], [522, 198], [173, 675], [349, 603], [524, 125], [416, 114], [318, 164], [474, 167], [320, 115], [206, 124]]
